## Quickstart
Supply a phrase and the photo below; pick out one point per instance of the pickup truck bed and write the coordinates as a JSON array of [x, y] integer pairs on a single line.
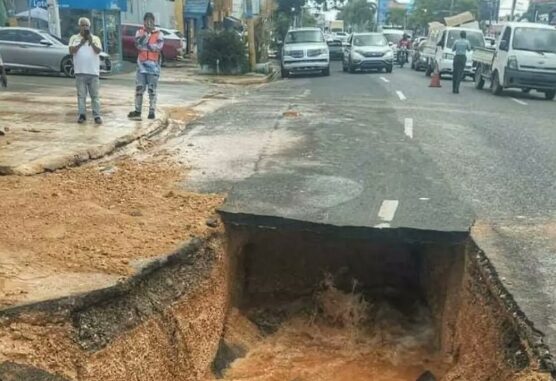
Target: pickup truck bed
[[483, 55]]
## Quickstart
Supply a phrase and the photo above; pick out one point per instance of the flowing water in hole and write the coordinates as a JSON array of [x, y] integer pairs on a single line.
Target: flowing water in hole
[[337, 337]]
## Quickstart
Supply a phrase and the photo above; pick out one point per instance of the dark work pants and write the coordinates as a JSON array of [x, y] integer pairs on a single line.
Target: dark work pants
[[458, 71]]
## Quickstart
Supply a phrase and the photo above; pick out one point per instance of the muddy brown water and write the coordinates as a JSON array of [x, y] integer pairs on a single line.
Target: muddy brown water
[[339, 336]]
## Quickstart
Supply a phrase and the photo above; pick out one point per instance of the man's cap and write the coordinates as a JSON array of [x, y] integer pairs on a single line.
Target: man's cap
[[148, 15]]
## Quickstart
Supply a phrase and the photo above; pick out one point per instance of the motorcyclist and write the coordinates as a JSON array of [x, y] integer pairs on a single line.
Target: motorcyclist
[[405, 42]]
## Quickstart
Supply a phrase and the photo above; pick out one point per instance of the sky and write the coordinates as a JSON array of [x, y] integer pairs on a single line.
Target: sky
[[505, 8]]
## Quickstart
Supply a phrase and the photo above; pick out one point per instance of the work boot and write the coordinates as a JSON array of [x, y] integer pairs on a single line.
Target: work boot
[[82, 118], [151, 115], [98, 120], [136, 115]]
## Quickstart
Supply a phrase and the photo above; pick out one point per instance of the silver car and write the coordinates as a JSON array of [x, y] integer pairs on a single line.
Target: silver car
[[368, 51], [305, 50], [36, 50]]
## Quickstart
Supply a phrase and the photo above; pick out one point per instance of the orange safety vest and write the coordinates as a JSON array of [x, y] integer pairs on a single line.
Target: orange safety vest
[[147, 55]]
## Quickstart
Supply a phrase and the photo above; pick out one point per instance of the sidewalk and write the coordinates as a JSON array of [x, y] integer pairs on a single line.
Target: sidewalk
[[42, 133], [187, 71]]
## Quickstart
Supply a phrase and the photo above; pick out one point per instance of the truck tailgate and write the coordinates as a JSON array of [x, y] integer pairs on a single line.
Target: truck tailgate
[[483, 55]]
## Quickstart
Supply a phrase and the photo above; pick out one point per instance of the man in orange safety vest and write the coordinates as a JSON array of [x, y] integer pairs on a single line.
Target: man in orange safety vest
[[149, 41]]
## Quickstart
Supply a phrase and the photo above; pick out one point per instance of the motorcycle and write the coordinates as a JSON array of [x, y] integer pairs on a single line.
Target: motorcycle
[[403, 56]]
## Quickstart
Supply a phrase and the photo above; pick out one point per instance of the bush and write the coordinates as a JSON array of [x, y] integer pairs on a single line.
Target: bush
[[225, 46]]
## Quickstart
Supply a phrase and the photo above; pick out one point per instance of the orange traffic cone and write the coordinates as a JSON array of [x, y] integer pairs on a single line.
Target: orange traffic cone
[[435, 78]]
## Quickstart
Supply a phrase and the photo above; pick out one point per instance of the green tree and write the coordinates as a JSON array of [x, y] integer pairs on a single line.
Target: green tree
[[357, 14], [426, 11], [397, 16]]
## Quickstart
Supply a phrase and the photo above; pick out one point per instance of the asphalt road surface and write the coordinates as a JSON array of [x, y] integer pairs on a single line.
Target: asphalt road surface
[[387, 151]]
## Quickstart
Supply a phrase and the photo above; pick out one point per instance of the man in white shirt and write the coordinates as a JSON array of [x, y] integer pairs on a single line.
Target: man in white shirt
[[86, 49]]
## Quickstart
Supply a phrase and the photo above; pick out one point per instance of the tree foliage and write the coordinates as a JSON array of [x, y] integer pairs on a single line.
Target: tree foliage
[[357, 14], [426, 11], [396, 16], [227, 48]]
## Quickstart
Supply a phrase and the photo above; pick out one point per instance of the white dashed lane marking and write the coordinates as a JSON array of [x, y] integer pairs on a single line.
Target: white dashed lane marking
[[401, 96], [387, 212], [408, 127], [519, 101]]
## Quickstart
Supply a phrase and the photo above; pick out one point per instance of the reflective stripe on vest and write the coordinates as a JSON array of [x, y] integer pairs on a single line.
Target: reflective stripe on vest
[[147, 55]]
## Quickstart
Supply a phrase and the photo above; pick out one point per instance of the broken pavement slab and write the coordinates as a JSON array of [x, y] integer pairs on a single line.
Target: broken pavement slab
[[521, 252], [43, 135]]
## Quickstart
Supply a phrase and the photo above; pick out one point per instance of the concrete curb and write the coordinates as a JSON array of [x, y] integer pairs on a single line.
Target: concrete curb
[[75, 158]]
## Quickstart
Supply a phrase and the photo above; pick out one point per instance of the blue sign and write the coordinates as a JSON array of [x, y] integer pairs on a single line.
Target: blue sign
[[38, 4], [120, 5]]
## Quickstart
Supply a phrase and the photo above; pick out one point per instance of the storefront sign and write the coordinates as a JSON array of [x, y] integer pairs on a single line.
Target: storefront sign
[[120, 5], [38, 4]]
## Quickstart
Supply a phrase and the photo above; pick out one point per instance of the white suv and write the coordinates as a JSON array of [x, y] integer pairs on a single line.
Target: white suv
[[305, 50]]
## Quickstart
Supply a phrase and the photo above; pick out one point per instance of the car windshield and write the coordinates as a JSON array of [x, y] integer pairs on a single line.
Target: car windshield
[[302, 36], [536, 39], [476, 39], [393, 37], [370, 40]]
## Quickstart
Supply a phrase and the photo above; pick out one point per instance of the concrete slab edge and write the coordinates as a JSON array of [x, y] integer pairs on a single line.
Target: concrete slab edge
[[50, 164], [525, 327], [397, 234]]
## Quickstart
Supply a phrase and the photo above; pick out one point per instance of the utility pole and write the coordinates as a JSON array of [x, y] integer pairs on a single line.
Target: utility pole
[[514, 2], [251, 41]]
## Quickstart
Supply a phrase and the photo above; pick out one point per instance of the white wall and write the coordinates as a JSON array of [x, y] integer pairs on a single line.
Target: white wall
[[163, 11]]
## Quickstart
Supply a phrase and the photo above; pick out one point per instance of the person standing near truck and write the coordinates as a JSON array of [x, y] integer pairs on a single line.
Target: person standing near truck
[[461, 47], [149, 42]]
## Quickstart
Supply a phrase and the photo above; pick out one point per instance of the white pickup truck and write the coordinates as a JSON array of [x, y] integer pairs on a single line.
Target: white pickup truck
[[523, 58], [438, 49]]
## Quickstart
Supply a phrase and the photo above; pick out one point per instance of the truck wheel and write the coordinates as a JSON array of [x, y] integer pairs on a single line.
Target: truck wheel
[[479, 80], [550, 94], [326, 72], [496, 86], [285, 73]]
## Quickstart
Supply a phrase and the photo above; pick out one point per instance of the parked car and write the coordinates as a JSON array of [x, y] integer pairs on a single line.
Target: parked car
[[368, 51], [336, 49], [174, 43], [35, 50], [305, 50]]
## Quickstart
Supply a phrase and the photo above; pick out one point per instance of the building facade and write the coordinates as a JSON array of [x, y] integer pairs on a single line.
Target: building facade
[[163, 11]]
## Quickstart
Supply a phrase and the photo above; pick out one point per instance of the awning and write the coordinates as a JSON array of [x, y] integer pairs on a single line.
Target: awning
[[196, 8]]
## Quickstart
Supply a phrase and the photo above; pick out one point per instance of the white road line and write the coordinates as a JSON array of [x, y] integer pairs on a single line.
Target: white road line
[[401, 96], [306, 93], [382, 225], [424, 198], [384, 79], [387, 210], [408, 127], [520, 102]]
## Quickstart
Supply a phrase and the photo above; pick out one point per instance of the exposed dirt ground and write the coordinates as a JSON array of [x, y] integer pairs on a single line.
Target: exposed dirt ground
[[89, 226]]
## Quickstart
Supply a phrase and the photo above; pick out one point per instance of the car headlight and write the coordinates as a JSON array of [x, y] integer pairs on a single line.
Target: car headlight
[[512, 62], [389, 54], [448, 56], [324, 51], [358, 52]]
